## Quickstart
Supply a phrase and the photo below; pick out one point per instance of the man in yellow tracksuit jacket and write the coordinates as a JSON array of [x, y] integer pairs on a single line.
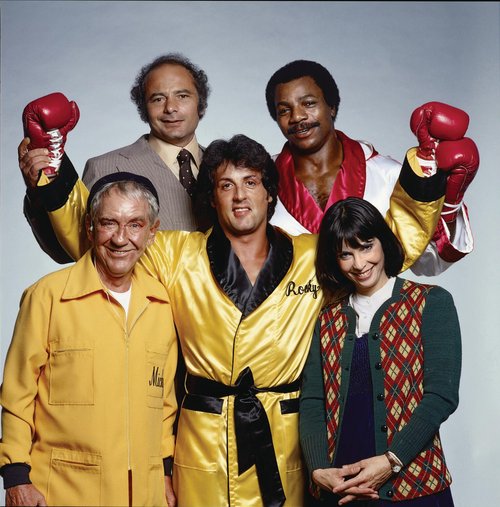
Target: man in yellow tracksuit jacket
[[87, 396]]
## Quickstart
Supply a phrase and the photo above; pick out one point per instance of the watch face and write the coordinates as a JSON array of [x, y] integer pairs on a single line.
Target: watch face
[[395, 466]]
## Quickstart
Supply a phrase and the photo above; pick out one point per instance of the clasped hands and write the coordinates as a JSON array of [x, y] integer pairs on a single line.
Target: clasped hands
[[356, 481]]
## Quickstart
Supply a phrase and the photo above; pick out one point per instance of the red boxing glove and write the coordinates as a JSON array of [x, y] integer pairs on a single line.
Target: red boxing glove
[[46, 122], [434, 122], [461, 160]]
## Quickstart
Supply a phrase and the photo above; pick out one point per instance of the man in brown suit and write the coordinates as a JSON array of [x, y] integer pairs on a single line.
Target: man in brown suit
[[171, 96]]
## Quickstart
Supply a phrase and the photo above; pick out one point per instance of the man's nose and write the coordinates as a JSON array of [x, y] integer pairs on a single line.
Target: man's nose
[[298, 114], [239, 193], [170, 105], [120, 236]]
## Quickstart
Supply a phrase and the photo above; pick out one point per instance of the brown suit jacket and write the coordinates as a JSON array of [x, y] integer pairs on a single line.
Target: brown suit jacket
[[139, 158]]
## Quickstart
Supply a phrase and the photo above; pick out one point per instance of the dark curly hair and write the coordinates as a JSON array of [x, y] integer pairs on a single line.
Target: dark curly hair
[[241, 151], [352, 220], [137, 92], [296, 70]]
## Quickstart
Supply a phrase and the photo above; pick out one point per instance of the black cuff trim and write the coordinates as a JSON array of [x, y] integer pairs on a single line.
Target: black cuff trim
[[32, 207], [55, 194], [421, 188], [32, 196], [167, 466], [15, 474]]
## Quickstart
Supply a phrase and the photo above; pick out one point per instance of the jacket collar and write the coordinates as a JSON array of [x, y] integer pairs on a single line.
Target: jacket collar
[[141, 148], [84, 280], [138, 149]]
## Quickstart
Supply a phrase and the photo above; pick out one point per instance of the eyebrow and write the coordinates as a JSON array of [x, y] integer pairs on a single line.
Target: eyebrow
[[137, 218], [247, 177], [302, 97], [162, 94]]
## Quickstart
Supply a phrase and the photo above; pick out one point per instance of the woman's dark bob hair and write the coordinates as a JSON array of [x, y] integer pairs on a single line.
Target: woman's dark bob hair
[[354, 221]]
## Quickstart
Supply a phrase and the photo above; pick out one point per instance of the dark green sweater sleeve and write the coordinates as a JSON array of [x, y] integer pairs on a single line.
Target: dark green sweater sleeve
[[312, 420], [442, 365]]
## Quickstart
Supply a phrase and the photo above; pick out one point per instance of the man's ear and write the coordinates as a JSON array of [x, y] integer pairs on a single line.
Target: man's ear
[[333, 113], [89, 227], [152, 231]]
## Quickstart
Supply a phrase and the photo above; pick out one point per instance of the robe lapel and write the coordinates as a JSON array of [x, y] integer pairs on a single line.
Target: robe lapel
[[350, 181], [233, 279]]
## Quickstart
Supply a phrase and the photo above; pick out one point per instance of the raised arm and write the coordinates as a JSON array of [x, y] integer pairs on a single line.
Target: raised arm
[[426, 211], [46, 123], [440, 130]]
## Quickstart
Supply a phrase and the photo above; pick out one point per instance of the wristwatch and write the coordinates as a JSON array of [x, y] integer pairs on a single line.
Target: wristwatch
[[396, 465]]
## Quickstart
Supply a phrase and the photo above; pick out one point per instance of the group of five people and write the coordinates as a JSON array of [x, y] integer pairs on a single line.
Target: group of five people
[[244, 295]]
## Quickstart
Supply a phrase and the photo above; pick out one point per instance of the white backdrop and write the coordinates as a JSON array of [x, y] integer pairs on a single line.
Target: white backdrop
[[387, 59]]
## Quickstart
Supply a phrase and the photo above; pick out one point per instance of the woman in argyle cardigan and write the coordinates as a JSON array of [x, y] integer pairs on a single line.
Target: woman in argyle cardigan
[[382, 374]]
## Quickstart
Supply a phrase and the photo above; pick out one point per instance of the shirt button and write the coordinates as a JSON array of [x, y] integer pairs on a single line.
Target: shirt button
[[375, 336], [378, 366], [380, 397], [383, 428], [390, 493]]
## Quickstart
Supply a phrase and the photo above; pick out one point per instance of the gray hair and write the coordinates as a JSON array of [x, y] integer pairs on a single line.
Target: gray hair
[[131, 189]]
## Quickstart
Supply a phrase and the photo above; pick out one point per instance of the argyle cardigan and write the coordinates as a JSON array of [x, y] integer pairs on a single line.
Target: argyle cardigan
[[398, 373]]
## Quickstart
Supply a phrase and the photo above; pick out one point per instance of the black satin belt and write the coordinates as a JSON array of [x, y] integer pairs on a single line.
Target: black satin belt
[[253, 434]]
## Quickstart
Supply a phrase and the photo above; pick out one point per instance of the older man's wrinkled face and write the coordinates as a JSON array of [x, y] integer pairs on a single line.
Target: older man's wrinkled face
[[120, 233]]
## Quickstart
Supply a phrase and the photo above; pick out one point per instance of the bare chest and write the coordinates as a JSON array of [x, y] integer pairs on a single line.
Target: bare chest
[[319, 185]]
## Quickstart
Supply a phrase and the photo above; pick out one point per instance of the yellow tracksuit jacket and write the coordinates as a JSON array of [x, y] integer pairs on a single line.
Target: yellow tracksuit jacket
[[87, 397]]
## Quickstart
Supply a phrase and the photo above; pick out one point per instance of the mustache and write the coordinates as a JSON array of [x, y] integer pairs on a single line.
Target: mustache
[[302, 126]]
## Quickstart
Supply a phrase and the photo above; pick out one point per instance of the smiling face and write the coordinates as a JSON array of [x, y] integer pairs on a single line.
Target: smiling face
[[120, 233], [241, 200], [303, 115], [172, 104], [364, 265]]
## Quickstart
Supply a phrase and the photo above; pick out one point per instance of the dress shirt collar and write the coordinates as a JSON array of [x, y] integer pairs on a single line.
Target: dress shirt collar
[[168, 153]]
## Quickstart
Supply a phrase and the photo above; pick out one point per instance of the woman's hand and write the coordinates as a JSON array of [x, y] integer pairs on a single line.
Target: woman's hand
[[373, 472], [330, 479]]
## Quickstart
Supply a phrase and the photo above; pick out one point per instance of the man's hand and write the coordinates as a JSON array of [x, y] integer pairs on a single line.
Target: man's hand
[[32, 162], [169, 492], [373, 473], [24, 494], [330, 479]]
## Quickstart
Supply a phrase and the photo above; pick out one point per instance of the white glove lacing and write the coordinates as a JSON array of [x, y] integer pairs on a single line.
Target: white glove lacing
[[56, 151]]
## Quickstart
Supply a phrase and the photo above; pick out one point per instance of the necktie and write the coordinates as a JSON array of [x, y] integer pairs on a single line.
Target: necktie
[[185, 173]]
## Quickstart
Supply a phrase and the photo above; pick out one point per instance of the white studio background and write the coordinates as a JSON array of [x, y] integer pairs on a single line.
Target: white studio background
[[387, 59]]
